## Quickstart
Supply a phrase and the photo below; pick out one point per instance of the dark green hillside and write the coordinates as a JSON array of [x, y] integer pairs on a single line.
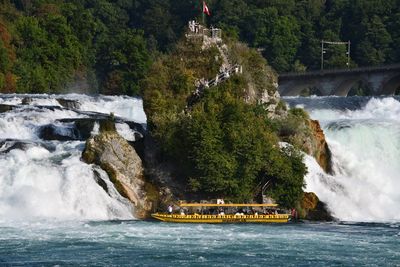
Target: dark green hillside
[[107, 46]]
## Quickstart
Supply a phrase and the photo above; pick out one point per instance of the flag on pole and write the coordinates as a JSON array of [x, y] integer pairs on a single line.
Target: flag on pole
[[205, 9]]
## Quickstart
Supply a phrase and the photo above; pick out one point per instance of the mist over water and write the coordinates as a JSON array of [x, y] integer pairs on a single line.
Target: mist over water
[[364, 136], [46, 179]]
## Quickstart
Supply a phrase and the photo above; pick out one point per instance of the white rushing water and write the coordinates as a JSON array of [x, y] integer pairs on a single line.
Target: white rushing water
[[47, 179], [365, 144]]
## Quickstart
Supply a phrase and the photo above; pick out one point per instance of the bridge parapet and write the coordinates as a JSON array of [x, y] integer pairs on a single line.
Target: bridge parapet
[[346, 71], [381, 80]]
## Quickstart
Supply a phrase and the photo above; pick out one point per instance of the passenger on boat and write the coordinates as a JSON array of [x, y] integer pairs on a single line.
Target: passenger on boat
[[239, 213], [294, 214], [170, 209]]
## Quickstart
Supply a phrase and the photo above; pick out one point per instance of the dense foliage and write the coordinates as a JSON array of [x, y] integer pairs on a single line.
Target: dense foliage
[[55, 46], [106, 46], [231, 150], [290, 31]]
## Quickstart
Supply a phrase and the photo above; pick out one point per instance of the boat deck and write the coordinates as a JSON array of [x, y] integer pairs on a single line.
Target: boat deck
[[198, 218]]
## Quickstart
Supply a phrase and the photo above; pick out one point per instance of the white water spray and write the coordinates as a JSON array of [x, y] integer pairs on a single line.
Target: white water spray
[[365, 144], [47, 179]]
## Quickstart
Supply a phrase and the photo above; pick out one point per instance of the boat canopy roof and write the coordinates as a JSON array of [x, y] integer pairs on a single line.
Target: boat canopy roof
[[225, 205]]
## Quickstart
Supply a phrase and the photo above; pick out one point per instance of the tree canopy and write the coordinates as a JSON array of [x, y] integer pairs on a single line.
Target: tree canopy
[[107, 46]]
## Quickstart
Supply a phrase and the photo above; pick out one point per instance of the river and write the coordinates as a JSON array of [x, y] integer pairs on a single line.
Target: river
[[137, 243]]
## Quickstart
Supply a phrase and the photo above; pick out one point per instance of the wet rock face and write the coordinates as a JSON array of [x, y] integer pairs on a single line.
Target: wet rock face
[[67, 103], [5, 108], [123, 165], [52, 132], [319, 147], [26, 100], [314, 209], [84, 126], [7, 145], [310, 138], [80, 129]]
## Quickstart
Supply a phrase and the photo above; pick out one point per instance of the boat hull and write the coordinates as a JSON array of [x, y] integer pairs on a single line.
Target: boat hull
[[176, 218]]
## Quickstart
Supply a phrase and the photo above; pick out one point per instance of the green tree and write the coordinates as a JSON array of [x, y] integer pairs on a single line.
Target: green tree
[[4, 63], [394, 29], [4, 59], [374, 47], [229, 15], [123, 61], [47, 54]]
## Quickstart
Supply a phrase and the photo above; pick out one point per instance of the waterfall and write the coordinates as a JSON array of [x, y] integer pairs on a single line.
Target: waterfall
[[364, 137], [45, 179]]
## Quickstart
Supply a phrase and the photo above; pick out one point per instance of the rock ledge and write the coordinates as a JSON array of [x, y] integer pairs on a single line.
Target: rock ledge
[[118, 158]]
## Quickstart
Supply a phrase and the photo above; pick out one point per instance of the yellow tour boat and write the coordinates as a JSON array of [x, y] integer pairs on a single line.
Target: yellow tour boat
[[221, 217]]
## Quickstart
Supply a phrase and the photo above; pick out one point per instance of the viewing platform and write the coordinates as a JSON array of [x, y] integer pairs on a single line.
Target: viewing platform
[[198, 31]]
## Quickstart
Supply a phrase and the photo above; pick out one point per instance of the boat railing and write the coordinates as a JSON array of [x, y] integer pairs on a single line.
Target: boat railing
[[230, 216]]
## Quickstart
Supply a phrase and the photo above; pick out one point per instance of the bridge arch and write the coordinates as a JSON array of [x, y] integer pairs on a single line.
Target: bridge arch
[[313, 90], [347, 85], [298, 88], [391, 87]]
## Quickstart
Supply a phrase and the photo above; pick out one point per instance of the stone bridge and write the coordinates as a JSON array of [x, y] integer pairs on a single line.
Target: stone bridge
[[382, 80]]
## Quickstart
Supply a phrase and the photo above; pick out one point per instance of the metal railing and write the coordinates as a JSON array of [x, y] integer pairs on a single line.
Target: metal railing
[[202, 85]]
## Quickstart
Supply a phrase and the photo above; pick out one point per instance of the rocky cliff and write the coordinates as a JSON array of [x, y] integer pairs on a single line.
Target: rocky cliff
[[123, 165], [313, 209], [306, 134]]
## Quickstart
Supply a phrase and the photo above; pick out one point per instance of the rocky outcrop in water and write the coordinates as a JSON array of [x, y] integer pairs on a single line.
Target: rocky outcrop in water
[[80, 129], [317, 146], [7, 145], [5, 108], [306, 134], [26, 100], [84, 126], [51, 132], [123, 165], [314, 209], [68, 103]]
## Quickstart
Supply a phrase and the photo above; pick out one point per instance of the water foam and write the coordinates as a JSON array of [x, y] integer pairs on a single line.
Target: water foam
[[365, 144], [130, 108], [37, 183]]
